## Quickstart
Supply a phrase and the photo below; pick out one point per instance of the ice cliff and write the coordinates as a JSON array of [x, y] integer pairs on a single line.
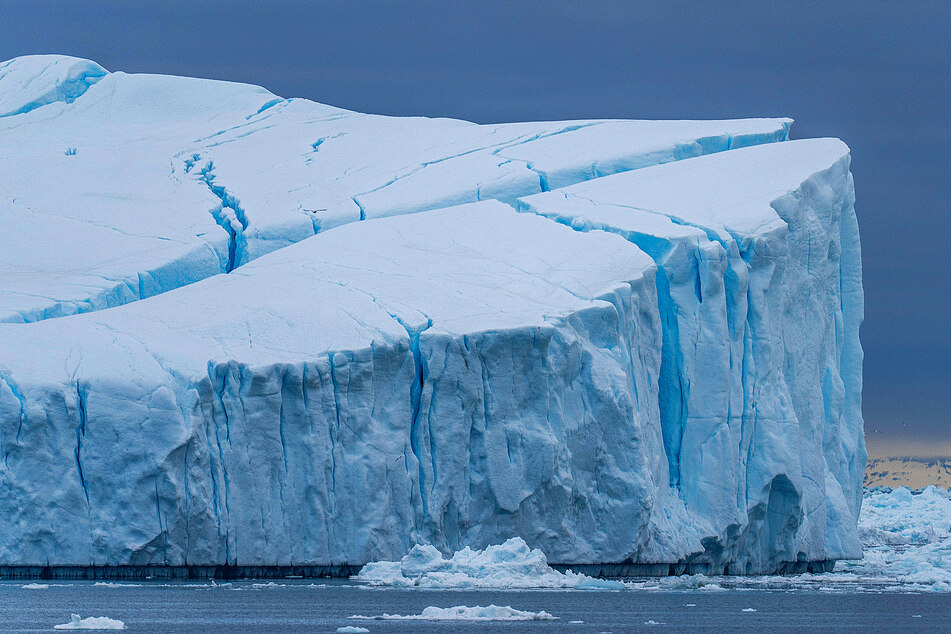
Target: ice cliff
[[266, 332]]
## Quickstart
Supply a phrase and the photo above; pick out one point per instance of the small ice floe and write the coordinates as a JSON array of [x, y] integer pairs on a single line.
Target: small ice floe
[[916, 616], [509, 565], [681, 582], [576, 622], [114, 584], [351, 629], [269, 584], [465, 613], [652, 622], [36, 586], [90, 623], [748, 610], [690, 605]]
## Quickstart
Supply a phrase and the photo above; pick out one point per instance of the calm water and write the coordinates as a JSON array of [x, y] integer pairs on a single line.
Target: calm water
[[300, 607]]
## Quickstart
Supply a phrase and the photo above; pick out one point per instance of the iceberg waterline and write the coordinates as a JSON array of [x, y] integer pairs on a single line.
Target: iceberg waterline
[[906, 539], [455, 376]]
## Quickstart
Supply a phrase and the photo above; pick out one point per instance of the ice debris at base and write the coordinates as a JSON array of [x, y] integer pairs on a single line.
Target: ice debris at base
[[509, 565], [351, 629], [907, 539], [464, 613], [656, 362], [907, 544], [35, 586], [91, 623]]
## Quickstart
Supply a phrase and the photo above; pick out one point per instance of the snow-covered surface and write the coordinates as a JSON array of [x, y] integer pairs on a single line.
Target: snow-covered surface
[[465, 613], [673, 378], [505, 566], [125, 186], [91, 623]]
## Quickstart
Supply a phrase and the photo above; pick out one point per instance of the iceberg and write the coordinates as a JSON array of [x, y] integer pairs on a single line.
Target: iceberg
[[123, 186], [250, 331]]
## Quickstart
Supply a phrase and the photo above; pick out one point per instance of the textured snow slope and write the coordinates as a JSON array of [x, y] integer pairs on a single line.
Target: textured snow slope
[[124, 186], [759, 279]]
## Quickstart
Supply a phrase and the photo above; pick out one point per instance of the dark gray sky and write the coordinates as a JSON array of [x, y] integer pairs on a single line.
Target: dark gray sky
[[876, 74]]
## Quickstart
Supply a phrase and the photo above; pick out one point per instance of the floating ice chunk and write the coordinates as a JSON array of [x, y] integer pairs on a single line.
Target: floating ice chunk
[[351, 629], [91, 623], [509, 565], [748, 610], [35, 586], [465, 613]]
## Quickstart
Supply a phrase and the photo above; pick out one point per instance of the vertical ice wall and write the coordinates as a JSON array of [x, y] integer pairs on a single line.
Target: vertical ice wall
[[760, 291]]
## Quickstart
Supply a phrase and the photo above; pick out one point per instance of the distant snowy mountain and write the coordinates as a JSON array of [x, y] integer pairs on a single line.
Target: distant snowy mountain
[[257, 331], [914, 473]]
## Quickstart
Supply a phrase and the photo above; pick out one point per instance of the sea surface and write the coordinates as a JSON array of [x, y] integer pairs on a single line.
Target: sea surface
[[300, 606]]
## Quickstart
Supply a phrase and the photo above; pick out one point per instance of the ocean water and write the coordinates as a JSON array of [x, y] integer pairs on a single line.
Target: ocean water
[[300, 606]]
